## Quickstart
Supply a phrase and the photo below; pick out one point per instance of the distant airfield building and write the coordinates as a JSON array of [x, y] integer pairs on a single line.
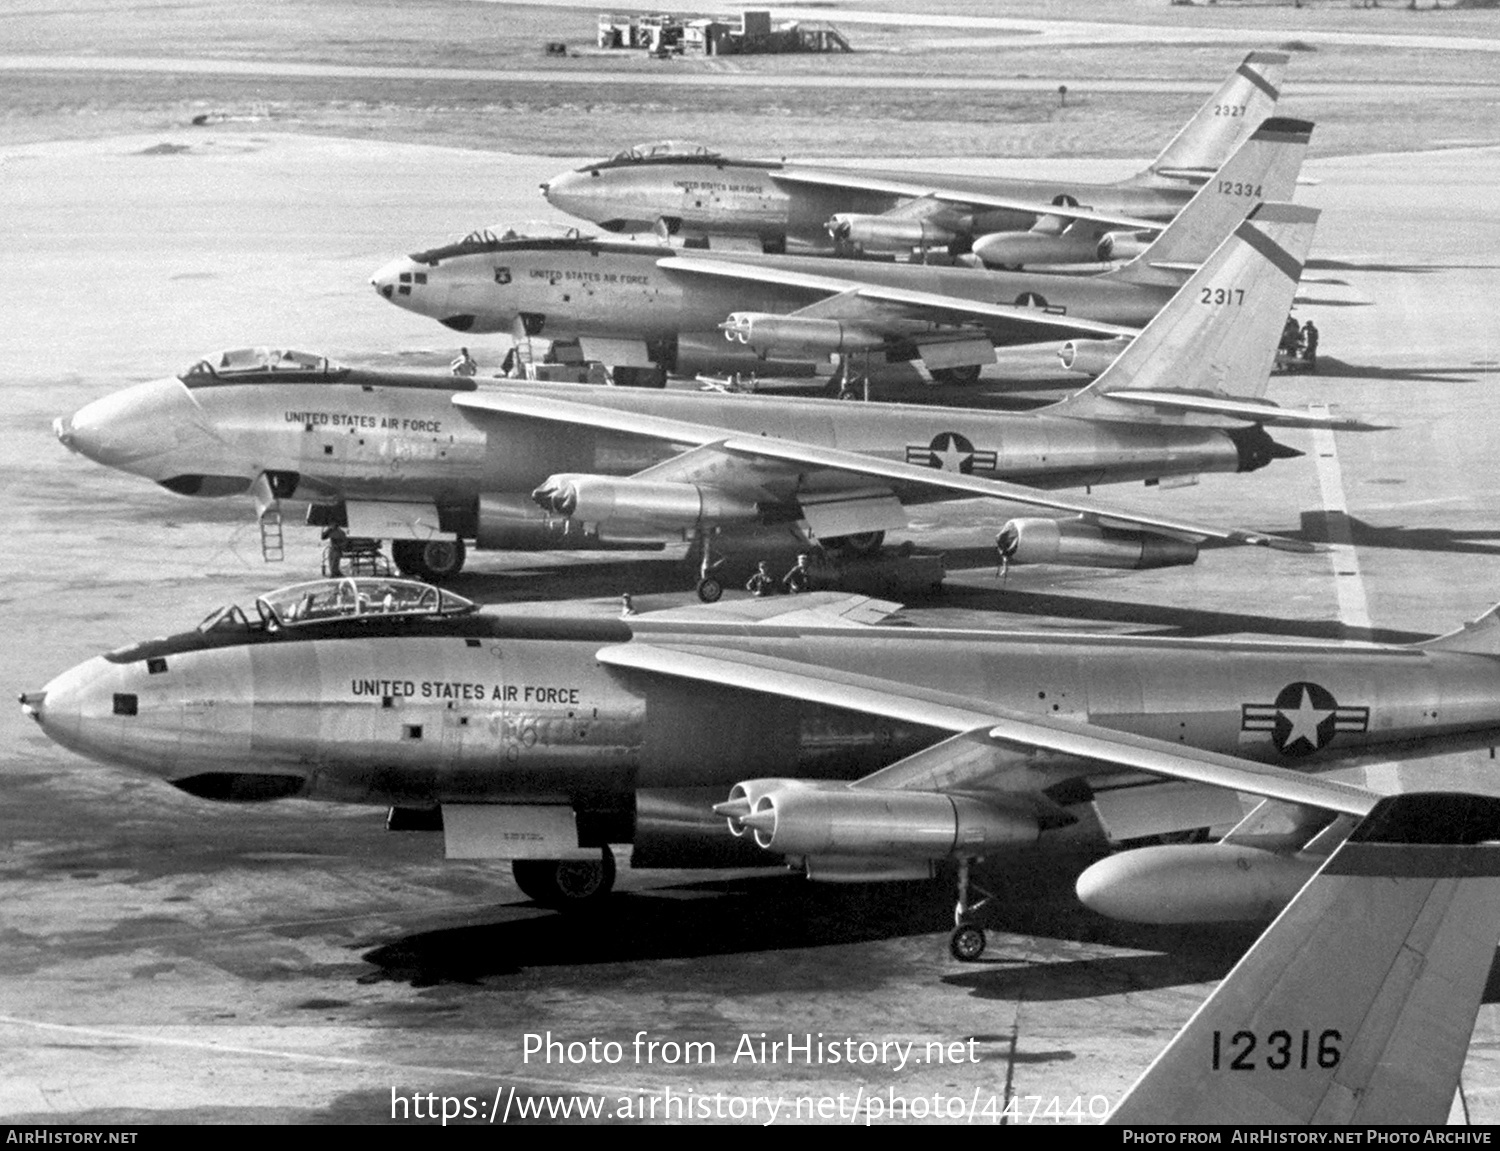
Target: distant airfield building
[[664, 34]]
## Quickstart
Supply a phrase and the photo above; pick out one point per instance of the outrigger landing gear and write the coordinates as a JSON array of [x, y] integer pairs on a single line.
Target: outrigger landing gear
[[709, 587], [967, 942]]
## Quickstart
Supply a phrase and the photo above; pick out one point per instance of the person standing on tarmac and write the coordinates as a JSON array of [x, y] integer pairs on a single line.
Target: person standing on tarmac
[[1291, 336], [798, 579], [463, 364], [762, 583], [1310, 345]]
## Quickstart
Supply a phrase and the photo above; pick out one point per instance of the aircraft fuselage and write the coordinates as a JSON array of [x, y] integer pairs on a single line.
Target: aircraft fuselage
[[391, 437], [608, 289], [714, 196], [500, 708]]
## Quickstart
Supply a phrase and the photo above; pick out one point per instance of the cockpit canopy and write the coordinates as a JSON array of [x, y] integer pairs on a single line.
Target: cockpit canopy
[[322, 601], [248, 365], [497, 238], [664, 150]]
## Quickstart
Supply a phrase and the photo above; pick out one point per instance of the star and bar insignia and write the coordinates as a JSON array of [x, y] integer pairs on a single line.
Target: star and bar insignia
[[951, 452], [1304, 719]]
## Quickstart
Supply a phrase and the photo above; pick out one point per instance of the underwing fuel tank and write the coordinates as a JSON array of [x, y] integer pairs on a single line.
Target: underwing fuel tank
[[1195, 883]]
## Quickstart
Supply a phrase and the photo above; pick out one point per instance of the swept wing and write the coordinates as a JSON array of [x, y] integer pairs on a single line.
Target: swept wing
[[736, 462]]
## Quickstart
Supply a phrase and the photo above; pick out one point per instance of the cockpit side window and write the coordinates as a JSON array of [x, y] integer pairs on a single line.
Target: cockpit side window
[[320, 601]]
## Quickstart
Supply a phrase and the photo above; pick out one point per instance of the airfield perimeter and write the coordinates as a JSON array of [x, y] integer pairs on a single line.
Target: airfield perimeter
[[170, 959]]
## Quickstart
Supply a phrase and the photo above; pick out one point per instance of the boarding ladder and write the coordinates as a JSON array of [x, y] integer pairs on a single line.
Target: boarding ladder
[[271, 549]]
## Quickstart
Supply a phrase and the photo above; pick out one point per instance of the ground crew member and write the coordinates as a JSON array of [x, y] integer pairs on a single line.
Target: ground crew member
[[1310, 345], [463, 364], [1291, 336], [762, 583], [798, 579], [334, 539]]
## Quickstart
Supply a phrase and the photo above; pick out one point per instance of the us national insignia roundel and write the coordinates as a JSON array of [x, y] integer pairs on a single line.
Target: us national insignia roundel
[[1304, 718], [951, 452]]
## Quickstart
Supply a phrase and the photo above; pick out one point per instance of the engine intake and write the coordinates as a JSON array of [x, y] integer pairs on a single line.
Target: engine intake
[[1073, 541], [768, 334], [613, 499], [810, 819]]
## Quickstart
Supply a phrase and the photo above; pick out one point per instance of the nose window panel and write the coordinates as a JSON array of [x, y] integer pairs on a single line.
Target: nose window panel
[[125, 703]]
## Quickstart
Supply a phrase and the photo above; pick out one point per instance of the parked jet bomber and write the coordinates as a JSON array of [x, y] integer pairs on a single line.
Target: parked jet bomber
[[432, 462]]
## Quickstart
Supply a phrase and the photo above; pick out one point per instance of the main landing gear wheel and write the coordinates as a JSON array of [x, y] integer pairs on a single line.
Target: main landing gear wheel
[[566, 884], [963, 374], [710, 589], [966, 944], [432, 560]]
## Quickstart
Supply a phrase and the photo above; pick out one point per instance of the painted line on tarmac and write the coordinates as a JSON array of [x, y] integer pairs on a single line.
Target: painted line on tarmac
[[1348, 581], [329, 1060]]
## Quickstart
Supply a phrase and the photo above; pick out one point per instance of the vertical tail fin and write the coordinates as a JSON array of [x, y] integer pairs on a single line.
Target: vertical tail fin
[[1219, 332], [1244, 99], [1357, 1005], [1263, 168]]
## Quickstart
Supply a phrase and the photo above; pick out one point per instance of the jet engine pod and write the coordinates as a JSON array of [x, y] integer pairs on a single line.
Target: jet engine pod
[[1122, 246], [834, 819], [1194, 883], [884, 235], [1037, 540], [1091, 356], [743, 798], [1015, 249], [769, 335], [619, 499]]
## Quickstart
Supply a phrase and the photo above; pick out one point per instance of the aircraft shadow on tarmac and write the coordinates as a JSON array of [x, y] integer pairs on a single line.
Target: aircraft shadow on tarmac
[[1321, 526], [1014, 600], [1325, 265], [758, 914], [1330, 368]]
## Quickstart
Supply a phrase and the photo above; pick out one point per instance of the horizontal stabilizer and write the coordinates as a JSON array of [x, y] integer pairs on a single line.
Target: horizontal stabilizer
[[1250, 409], [1481, 636]]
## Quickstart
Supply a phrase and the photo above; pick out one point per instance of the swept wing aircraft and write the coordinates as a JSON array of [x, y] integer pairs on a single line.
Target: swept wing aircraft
[[630, 305], [432, 462], [848, 750], [697, 195]]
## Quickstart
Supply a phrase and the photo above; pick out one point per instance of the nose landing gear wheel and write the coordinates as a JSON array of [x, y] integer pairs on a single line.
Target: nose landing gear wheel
[[710, 589], [967, 942]]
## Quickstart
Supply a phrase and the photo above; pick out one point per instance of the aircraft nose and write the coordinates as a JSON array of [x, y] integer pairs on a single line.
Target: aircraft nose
[[70, 708], [129, 427], [395, 281], [566, 192]]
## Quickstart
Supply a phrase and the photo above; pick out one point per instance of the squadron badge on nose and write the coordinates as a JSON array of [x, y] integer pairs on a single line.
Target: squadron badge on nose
[[1304, 719]]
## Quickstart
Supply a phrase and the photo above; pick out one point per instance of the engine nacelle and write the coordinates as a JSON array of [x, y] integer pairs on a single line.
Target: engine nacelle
[[1014, 249], [621, 500], [768, 334], [1091, 356], [1194, 883], [813, 819], [885, 235], [1123, 246], [1043, 541]]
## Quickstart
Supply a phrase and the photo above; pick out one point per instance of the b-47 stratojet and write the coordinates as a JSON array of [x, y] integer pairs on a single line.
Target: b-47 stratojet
[[696, 195], [432, 462], [630, 305], [848, 750]]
